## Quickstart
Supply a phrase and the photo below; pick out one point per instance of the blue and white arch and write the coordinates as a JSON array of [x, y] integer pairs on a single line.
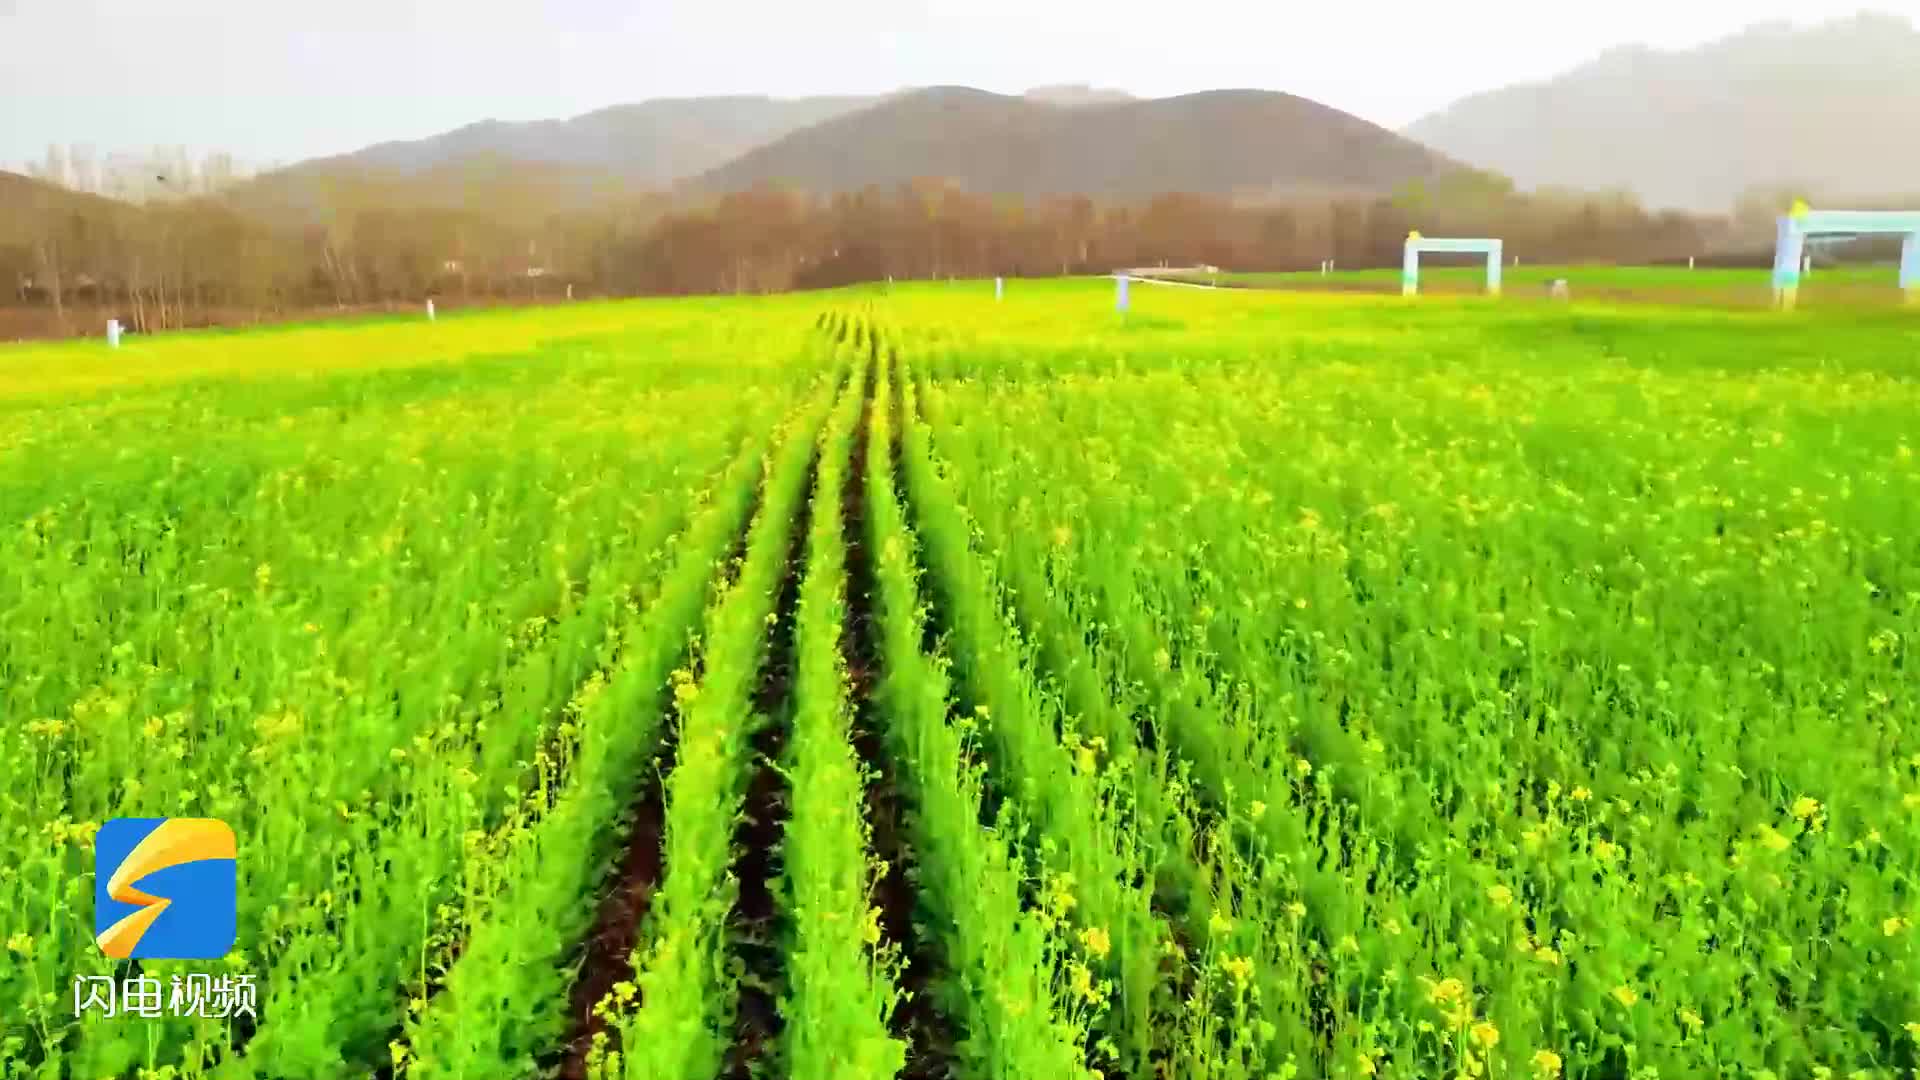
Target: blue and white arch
[[1802, 222], [1418, 245]]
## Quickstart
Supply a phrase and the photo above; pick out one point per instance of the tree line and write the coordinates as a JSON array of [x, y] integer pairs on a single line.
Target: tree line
[[69, 260]]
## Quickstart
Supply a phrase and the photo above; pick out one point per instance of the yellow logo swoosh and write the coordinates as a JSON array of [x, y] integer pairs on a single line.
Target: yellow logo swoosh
[[175, 842]]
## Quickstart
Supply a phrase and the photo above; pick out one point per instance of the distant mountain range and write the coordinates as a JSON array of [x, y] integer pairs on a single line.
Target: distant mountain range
[[1828, 111], [1219, 142], [1832, 111], [652, 143], [1051, 140]]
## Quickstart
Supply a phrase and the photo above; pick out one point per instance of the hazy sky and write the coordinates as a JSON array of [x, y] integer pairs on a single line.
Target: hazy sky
[[275, 80]]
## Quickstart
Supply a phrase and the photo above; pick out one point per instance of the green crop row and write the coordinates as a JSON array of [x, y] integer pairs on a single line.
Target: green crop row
[[841, 984], [1098, 867], [675, 1018], [1007, 979], [502, 1004]]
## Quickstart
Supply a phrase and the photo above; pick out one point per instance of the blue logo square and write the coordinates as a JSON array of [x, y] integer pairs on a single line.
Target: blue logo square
[[165, 888]]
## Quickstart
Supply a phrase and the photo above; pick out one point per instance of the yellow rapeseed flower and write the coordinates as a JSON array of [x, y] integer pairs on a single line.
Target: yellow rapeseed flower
[[1771, 839], [1501, 896], [1625, 995], [1447, 992], [1082, 981], [1485, 1034], [1060, 897], [20, 943], [1240, 967], [1581, 793], [1096, 941], [1546, 1064], [1894, 925], [1804, 807]]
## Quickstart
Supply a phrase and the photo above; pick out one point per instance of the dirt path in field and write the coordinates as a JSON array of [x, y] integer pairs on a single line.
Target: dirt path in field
[[755, 930], [628, 896], [929, 1033], [616, 925]]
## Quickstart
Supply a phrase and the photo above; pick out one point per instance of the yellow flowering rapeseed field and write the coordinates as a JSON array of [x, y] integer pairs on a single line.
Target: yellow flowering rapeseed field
[[896, 682]]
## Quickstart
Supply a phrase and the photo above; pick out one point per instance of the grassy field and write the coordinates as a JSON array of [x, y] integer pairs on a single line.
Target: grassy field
[[896, 683], [1850, 287]]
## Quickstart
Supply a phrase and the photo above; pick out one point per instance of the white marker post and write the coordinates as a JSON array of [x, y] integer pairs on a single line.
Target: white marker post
[[569, 292], [1689, 262], [429, 311], [1789, 241], [113, 333], [1910, 267], [999, 289], [1416, 244], [1120, 294]]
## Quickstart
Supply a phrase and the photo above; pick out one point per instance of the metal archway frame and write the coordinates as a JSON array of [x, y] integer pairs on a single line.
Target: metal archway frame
[[1794, 229], [1418, 245]]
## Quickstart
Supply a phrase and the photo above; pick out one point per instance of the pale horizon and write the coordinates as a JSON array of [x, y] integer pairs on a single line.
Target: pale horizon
[[272, 87]]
